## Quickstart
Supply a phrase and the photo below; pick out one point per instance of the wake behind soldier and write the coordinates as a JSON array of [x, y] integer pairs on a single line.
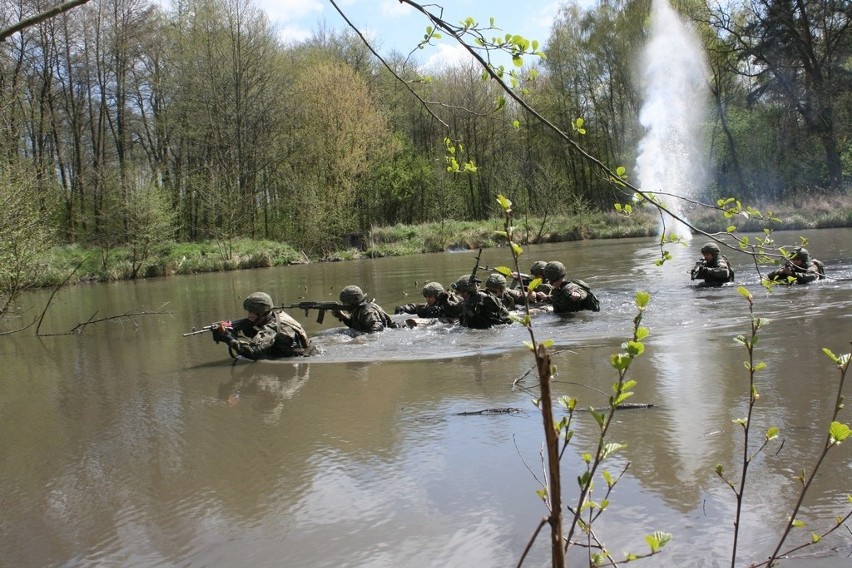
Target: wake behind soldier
[[265, 334], [800, 268], [479, 310], [362, 314], [438, 304], [714, 269], [568, 295]]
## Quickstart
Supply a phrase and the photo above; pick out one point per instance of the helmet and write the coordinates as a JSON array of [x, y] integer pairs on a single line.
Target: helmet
[[537, 268], [710, 247], [433, 289], [463, 284], [352, 295], [258, 303], [554, 271], [801, 253], [495, 282]]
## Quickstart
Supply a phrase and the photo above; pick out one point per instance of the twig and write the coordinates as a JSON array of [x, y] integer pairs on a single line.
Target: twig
[[55, 290]]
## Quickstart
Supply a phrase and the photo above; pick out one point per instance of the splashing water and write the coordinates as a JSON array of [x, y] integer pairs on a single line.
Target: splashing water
[[674, 71]]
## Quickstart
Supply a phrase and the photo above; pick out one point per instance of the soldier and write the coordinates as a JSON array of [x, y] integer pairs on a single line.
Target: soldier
[[266, 332], [568, 295], [479, 310], [439, 304], [362, 314], [798, 269], [714, 269], [523, 281], [496, 286]]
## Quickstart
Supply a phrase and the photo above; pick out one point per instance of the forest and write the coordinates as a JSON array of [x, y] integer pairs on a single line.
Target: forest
[[130, 122]]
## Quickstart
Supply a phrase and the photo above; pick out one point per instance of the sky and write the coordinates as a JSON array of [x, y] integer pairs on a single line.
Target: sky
[[392, 26]]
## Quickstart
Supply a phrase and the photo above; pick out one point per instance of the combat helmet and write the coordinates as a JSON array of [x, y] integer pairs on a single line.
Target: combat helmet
[[352, 295], [537, 268], [258, 303], [554, 271], [464, 284], [433, 289], [495, 282], [710, 247], [801, 253]]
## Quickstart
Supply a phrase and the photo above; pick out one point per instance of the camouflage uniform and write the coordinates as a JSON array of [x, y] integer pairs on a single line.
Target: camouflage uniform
[[571, 296], [714, 272], [480, 310], [496, 286], [804, 274], [361, 314], [568, 295], [368, 317], [445, 306], [272, 334]]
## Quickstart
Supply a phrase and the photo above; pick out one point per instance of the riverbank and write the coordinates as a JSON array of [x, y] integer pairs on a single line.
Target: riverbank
[[93, 264]]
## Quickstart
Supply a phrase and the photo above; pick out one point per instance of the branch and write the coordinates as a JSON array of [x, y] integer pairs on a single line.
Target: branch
[[80, 327], [55, 290], [38, 18]]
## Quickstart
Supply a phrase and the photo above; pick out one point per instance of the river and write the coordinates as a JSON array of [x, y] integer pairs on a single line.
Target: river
[[129, 445]]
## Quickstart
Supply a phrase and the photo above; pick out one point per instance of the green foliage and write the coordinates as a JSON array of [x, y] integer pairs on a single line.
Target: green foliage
[[24, 239]]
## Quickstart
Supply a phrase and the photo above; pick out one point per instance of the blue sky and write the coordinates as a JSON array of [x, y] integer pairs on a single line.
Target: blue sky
[[395, 26]]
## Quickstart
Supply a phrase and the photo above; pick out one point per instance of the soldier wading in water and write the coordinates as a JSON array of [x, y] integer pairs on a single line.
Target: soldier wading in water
[[266, 333]]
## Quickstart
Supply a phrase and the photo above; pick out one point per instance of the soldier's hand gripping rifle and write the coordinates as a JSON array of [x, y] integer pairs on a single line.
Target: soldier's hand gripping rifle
[[696, 270], [195, 331], [321, 306]]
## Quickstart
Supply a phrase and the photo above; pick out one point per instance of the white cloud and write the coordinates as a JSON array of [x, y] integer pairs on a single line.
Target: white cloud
[[395, 9], [289, 10], [447, 55]]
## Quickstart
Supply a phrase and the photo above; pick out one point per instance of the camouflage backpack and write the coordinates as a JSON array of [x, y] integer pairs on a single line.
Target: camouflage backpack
[[591, 302]]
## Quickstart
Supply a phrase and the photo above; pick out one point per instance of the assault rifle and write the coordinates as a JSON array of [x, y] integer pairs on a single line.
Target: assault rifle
[[196, 331], [321, 306]]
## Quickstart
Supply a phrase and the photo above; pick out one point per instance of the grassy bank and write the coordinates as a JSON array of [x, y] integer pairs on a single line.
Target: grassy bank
[[96, 264]]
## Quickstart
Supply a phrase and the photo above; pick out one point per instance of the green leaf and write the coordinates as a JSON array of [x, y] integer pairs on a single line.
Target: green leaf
[[516, 248], [610, 449], [742, 291], [797, 523], [608, 478], [838, 432], [518, 61], [542, 493], [622, 397], [772, 433], [505, 204], [635, 348], [815, 538], [619, 361], [598, 416], [731, 229], [830, 355], [642, 299], [516, 124], [642, 333]]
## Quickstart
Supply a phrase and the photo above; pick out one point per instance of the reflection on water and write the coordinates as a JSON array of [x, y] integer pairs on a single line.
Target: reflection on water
[[129, 445]]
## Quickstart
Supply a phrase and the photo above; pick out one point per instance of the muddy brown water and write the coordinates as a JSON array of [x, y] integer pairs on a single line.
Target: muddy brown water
[[131, 446]]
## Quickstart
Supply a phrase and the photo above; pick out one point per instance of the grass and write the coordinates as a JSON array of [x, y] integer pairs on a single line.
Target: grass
[[97, 264]]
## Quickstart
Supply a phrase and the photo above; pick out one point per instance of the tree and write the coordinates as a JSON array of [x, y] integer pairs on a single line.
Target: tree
[[797, 54]]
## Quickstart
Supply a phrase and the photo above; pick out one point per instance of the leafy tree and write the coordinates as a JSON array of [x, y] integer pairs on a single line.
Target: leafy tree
[[796, 55], [24, 237], [150, 222]]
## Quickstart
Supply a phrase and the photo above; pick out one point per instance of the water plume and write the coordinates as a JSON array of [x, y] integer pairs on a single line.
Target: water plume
[[674, 86]]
